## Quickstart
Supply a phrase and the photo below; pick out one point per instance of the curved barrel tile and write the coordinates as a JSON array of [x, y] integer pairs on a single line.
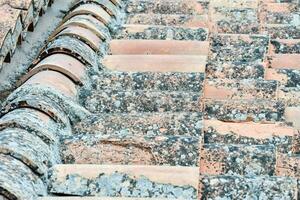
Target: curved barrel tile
[[107, 5], [17, 181], [65, 64], [91, 9], [33, 121], [73, 47], [85, 21], [85, 35], [27, 148], [54, 80], [62, 109], [43, 104]]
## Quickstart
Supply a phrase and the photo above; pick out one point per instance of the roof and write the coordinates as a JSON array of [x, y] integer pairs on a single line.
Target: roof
[[174, 99]]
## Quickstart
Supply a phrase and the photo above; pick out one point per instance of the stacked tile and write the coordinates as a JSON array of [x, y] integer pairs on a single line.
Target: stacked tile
[[150, 109], [246, 137], [45, 105], [145, 128], [281, 20], [18, 17]]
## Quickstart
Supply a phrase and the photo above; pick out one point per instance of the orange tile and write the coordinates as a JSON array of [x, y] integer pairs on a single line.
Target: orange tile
[[285, 61], [54, 80], [155, 63], [62, 63], [162, 47], [250, 129]]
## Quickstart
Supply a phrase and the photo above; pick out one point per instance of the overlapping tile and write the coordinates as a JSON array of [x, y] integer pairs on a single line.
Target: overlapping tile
[[140, 181], [132, 31], [240, 187], [242, 79], [151, 124], [127, 149]]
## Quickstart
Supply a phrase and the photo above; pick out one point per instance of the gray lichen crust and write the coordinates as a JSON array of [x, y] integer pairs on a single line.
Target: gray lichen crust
[[239, 48], [170, 81], [100, 27], [17, 181], [27, 148], [285, 48], [151, 124], [238, 187], [234, 70], [166, 7], [285, 31], [111, 101], [163, 33], [75, 47], [132, 149], [119, 185], [167, 20], [31, 120], [242, 21], [244, 110], [282, 143], [63, 109], [248, 160]]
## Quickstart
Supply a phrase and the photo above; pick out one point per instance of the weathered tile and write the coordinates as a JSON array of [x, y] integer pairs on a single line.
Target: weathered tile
[[62, 63], [291, 115], [155, 63], [234, 3], [28, 148], [28, 10], [244, 110], [110, 101], [18, 181], [95, 10], [288, 165], [234, 70], [242, 89], [283, 31], [31, 121], [161, 33], [248, 160], [284, 61], [96, 198], [151, 124], [169, 20], [286, 46], [125, 181], [60, 108], [257, 187], [289, 95], [235, 20], [250, 133], [165, 7], [156, 81], [85, 21], [107, 5], [239, 48], [83, 34], [9, 31], [280, 13], [131, 149], [74, 47], [55, 80]]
